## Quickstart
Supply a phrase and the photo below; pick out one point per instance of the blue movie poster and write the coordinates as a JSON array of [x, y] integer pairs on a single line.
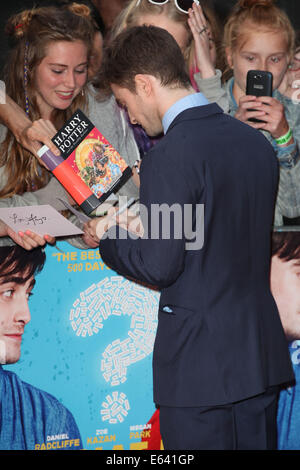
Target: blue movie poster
[[89, 344]]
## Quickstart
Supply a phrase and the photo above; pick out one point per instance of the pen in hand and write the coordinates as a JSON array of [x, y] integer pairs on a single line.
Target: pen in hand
[[123, 208]]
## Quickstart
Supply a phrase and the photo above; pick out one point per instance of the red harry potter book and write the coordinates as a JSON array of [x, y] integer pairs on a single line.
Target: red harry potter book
[[92, 159]]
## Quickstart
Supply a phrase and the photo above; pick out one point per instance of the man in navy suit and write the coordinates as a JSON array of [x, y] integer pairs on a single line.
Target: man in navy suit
[[220, 353]]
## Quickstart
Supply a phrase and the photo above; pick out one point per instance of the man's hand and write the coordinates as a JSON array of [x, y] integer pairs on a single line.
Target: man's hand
[[136, 173], [131, 222], [96, 228]]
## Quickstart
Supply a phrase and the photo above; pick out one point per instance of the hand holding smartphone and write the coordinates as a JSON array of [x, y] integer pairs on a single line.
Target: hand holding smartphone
[[259, 83]]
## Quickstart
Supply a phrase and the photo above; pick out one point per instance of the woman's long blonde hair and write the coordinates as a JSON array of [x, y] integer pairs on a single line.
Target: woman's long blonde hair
[[31, 32]]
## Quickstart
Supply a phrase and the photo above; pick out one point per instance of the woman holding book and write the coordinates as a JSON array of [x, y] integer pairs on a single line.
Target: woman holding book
[[47, 76], [110, 120]]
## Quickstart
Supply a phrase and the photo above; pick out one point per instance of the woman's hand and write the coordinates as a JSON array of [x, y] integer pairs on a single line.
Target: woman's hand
[[249, 107], [27, 240], [202, 37], [267, 109], [36, 134], [274, 120]]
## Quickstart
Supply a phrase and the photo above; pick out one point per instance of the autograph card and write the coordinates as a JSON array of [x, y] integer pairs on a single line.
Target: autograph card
[[43, 220]]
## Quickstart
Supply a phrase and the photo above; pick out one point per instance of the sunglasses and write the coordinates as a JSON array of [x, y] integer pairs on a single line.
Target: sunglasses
[[181, 5]]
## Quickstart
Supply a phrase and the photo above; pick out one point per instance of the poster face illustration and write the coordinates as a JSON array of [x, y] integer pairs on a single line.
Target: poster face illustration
[[89, 344]]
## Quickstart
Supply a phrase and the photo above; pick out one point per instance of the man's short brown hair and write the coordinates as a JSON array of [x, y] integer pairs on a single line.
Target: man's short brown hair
[[144, 50]]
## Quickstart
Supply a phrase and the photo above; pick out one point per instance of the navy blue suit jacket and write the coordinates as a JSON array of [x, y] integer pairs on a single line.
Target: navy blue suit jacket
[[219, 337]]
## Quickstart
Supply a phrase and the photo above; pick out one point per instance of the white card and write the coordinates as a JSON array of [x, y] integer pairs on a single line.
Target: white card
[[43, 220]]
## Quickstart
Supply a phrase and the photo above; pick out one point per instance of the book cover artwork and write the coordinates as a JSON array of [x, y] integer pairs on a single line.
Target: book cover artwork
[[91, 156]]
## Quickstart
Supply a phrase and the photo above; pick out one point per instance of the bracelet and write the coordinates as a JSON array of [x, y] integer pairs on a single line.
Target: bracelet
[[285, 138]]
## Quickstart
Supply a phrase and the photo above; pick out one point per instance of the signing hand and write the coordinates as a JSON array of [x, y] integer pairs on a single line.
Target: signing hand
[[96, 228]]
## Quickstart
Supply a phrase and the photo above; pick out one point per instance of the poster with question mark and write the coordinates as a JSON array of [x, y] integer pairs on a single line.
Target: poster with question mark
[[89, 343]]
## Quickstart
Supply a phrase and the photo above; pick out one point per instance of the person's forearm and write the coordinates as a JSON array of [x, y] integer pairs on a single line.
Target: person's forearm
[[31, 135], [213, 90]]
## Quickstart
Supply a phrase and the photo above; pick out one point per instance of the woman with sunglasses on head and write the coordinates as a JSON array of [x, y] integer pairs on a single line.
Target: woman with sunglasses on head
[[47, 76], [196, 30], [259, 36], [198, 35]]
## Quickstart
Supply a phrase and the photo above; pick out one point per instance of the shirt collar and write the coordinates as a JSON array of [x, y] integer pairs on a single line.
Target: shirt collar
[[189, 101]]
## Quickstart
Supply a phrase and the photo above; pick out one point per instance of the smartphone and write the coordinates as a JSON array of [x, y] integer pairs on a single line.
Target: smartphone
[[259, 83]]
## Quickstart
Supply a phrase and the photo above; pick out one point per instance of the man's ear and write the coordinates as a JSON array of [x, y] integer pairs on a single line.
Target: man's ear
[[143, 85]]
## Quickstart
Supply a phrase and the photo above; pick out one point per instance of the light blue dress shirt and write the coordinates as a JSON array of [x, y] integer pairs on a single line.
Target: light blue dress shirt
[[190, 101]]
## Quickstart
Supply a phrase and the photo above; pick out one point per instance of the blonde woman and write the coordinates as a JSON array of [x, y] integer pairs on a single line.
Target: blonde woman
[[197, 31]]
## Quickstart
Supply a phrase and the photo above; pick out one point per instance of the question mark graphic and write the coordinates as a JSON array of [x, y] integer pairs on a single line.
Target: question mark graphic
[[116, 296]]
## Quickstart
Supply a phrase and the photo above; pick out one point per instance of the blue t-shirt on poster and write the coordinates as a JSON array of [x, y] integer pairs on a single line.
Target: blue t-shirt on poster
[[31, 419], [288, 415]]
